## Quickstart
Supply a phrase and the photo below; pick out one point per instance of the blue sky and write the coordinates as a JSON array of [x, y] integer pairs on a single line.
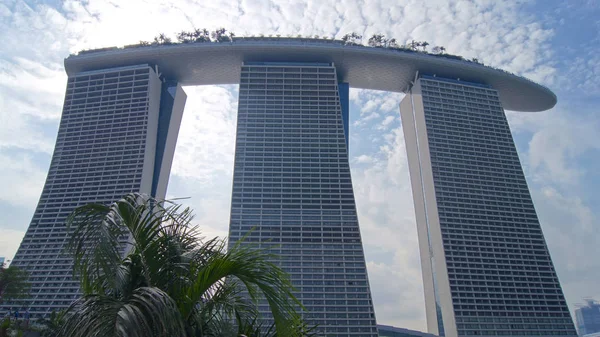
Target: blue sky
[[555, 42]]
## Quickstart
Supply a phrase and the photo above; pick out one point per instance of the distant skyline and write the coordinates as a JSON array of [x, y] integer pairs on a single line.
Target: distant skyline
[[553, 42]]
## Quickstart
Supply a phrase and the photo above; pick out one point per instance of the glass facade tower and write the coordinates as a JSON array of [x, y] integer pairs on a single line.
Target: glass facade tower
[[292, 184], [109, 144], [486, 266], [588, 317]]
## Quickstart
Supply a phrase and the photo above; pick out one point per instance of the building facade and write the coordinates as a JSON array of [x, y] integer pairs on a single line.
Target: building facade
[[588, 317], [486, 267], [109, 144], [392, 331], [292, 190]]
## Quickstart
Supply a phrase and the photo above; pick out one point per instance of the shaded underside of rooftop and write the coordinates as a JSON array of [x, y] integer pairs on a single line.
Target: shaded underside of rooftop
[[362, 67]]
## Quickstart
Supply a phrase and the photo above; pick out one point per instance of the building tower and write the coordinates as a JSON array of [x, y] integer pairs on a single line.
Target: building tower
[[588, 317], [486, 267], [117, 135], [292, 184]]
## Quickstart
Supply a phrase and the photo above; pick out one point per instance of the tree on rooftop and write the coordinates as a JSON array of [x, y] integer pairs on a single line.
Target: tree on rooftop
[[391, 43], [414, 45], [352, 39], [162, 39], [377, 40], [185, 37], [220, 35], [201, 35], [438, 50]]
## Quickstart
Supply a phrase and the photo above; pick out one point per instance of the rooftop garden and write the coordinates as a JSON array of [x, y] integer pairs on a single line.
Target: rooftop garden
[[222, 35]]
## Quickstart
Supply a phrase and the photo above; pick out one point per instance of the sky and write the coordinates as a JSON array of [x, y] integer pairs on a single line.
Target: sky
[[554, 42]]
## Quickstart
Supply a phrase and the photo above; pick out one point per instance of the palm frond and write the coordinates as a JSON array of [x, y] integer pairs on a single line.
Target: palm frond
[[148, 312], [145, 271], [254, 270], [95, 244]]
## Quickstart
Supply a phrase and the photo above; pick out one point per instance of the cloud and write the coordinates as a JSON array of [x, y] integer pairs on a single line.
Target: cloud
[[386, 122], [374, 104], [9, 242], [388, 228], [21, 179], [557, 138], [570, 228], [31, 100], [583, 74], [206, 142], [364, 159]]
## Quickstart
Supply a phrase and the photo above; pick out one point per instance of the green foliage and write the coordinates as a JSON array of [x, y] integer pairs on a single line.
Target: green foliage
[[13, 283], [352, 39], [162, 39], [51, 326], [4, 327], [221, 35], [377, 40], [11, 328], [170, 282]]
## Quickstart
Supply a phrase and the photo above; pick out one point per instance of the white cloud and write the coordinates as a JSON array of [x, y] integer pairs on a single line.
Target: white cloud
[[558, 138], [206, 143], [374, 104], [21, 180], [570, 228], [9, 242], [386, 122], [388, 228], [583, 74], [364, 159], [32, 98]]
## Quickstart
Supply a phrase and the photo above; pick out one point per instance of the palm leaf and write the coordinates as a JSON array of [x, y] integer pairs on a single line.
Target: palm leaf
[[148, 312]]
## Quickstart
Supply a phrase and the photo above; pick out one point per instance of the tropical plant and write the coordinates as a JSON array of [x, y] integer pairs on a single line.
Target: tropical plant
[[352, 39], [169, 282], [4, 326], [391, 43], [199, 35], [476, 60], [50, 327], [162, 39], [185, 37], [221, 35], [12, 328], [13, 283], [377, 40], [437, 50]]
